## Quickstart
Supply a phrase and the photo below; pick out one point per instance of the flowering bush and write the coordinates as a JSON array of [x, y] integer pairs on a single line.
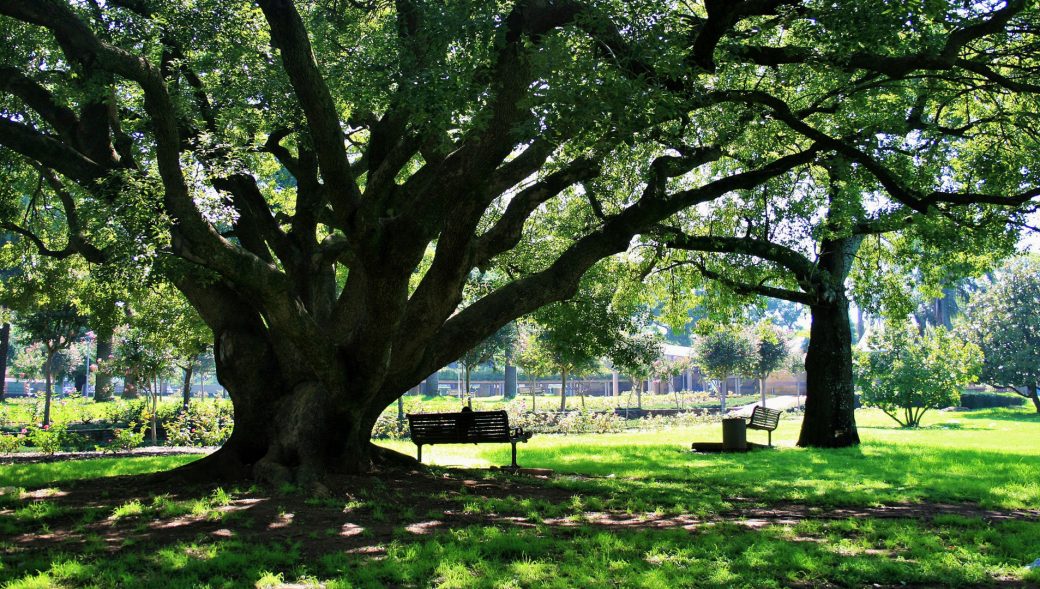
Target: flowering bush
[[47, 439], [570, 422], [202, 424], [684, 419], [10, 444], [128, 438]]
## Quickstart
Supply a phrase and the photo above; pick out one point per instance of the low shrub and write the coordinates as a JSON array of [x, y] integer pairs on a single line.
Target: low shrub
[[388, 428], [10, 444], [990, 400], [202, 424], [127, 438], [47, 439], [683, 419]]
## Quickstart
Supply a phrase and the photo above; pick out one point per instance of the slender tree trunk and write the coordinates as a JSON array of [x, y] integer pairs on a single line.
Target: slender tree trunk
[[534, 399], [639, 393], [5, 344], [186, 390], [762, 389], [47, 388], [830, 420], [103, 390], [722, 396], [465, 395], [154, 421], [563, 389], [400, 415]]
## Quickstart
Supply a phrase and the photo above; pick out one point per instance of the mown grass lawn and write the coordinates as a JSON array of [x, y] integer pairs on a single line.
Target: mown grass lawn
[[952, 504]]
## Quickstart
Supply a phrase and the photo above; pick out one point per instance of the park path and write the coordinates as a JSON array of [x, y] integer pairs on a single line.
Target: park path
[[782, 403]]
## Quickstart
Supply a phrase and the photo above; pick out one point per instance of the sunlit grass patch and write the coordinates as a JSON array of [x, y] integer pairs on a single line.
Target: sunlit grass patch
[[995, 463], [54, 473]]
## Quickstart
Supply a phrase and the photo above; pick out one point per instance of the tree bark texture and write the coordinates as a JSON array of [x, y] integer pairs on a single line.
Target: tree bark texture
[[1035, 397], [830, 420]]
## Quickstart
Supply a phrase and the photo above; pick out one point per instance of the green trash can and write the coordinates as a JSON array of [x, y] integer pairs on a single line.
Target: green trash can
[[734, 433]]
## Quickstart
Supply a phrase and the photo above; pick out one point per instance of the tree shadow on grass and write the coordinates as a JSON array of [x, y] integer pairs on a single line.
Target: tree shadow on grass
[[851, 553], [413, 529]]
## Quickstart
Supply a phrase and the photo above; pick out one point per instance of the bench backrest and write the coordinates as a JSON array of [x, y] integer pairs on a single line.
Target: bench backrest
[[763, 418], [462, 427]]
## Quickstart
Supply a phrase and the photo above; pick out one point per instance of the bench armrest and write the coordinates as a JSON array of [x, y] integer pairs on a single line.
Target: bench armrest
[[520, 434]]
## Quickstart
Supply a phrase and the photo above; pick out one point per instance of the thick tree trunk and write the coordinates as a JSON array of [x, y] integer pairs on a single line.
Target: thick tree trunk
[[288, 428], [130, 386], [5, 344], [1034, 397], [830, 420], [509, 384]]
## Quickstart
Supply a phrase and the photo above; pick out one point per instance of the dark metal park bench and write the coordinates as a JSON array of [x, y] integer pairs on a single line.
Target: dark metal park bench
[[764, 419], [465, 427]]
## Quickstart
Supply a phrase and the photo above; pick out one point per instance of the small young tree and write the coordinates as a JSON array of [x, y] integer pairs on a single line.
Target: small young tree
[[486, 352], [55, 327], [28, 360], [635, 356], [1004, 321], [667, 369], [567, 346], [770, 354], [172, 326], [530, 357], [905, 374], [574, 334], [141, 360], [722, 353]]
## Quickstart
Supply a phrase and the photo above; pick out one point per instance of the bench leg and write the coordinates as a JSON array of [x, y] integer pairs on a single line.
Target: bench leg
[[420, 452], [770, 438], [515, 465]]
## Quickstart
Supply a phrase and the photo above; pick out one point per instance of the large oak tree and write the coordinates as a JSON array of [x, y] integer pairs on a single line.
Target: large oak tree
[[321, 178]]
